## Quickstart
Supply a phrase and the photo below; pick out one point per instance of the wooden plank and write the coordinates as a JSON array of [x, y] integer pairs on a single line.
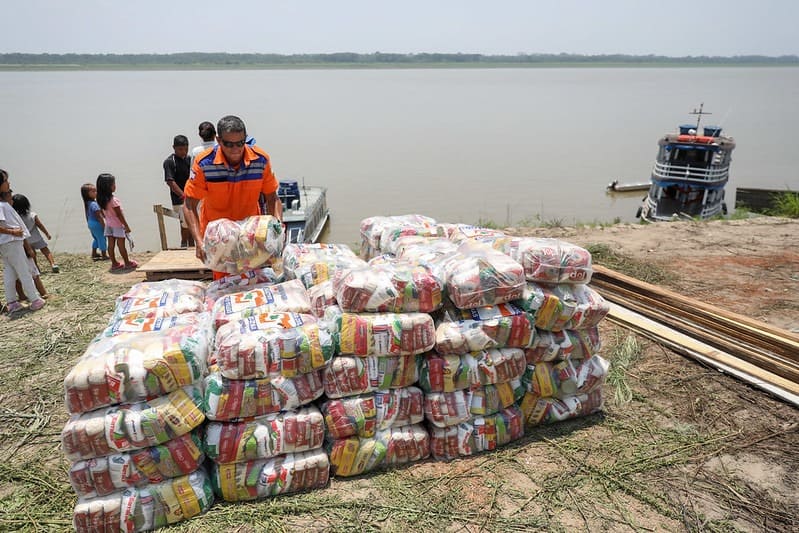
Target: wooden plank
[[160, 212], [766, 331], [764, 360], [690, 347], [181, 264], [713, 324]]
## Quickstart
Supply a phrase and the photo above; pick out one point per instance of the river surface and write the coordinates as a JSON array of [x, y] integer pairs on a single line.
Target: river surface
[[501, 146]]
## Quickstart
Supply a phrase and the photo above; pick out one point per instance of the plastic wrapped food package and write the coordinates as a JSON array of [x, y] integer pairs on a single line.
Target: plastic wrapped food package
[[538, 410], [132, 426], [272, 344], [395, 286], [163, 304], [234, 399], [478, 276], [316, 263], [443, 409], [462, 232], [133, 367], [480, 434], [565, 378], [392, 235], [348, 375], [385, 334], [150, 289], [397, 445], [234, 247], [321, 297], [265, 436], [372, 229], [286, 296], [549, 260], [262, 478], [247, 280], [366, 414], [448, 373], [434, 253], [563, 306], [100, 476], [564, 344], [134, 324], [146, 508], [498, 326]]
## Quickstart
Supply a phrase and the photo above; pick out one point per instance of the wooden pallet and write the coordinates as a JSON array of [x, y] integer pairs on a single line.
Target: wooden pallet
[[181, 264]]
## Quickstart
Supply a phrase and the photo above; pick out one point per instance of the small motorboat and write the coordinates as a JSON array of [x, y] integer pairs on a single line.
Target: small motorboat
[[305, 211], [615, 186]]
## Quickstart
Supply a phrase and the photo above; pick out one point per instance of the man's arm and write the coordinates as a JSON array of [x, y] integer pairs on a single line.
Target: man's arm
[[193, 222], [274, 206]]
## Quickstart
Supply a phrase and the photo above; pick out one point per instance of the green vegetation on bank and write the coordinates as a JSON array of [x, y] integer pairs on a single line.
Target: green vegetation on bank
[[204, 60]]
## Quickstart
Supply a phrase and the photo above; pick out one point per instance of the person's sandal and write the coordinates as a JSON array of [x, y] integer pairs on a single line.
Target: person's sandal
[[56, 270], [37, 304], [131, 264], [14, 307], [117, 266]]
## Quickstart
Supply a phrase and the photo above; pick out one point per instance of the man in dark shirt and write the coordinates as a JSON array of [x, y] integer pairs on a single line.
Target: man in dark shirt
[[176, 173]]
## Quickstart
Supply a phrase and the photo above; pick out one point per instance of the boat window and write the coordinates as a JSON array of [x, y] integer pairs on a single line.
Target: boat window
[[689, 157]]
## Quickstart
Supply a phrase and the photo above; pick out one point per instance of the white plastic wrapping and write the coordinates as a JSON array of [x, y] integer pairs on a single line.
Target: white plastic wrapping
[[234, 399], [264, 437], [365, 414], [235, 246], [262, 478], [132, 367], [271, 345], [286, 296]]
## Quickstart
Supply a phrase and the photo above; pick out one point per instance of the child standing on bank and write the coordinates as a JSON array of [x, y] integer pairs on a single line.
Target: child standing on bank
[[95, 220], [116, 227], [15, 265], [23, 207]]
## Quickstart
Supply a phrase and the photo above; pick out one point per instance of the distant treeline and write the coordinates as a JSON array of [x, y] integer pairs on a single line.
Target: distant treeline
[[200, 59]]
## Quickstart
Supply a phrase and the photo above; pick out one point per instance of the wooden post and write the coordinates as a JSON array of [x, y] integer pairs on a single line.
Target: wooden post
[[159, 215]]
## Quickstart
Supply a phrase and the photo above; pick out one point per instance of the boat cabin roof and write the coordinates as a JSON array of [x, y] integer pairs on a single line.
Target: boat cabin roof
[[698, 142]]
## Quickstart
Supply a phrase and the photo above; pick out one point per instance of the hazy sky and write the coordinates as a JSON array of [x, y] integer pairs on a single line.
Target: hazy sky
[[676, 28]]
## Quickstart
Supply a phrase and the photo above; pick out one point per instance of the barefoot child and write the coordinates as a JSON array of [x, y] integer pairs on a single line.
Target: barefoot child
[[95, 220], [23, 206], [116, 227], [15, 264]]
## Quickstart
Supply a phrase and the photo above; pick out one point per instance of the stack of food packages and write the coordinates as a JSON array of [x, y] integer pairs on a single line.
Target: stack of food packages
[[134, 437], [447, 342], [265, 436], [516, 343]]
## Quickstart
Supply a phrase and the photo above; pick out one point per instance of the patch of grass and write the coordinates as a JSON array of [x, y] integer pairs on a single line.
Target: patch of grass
[[622, 354], [487, 223], [786, 205], [607, 256]]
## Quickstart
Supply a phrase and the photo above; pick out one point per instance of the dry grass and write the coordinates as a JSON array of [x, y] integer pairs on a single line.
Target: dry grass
[[648, 463]]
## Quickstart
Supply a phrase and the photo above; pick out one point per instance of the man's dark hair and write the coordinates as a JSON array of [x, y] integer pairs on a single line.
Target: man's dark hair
[[180, 140], [207, 131], [230, 124]]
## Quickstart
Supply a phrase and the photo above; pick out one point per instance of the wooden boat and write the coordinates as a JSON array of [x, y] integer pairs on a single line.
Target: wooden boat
[[615, 186], [690, 173], [305, 211]]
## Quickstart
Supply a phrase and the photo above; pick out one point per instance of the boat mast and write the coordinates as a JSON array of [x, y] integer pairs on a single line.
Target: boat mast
[[699, 114]]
